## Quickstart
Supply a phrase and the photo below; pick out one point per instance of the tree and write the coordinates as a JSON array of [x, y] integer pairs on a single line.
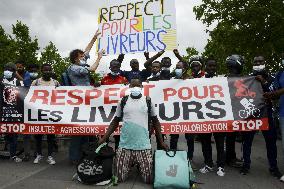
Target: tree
[[6, 49], [50, 55], [25, 48], [246, 27], [190, 52]]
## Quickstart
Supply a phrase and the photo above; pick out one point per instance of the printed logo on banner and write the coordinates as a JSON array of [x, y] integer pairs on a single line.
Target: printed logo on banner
[[245, 100], [10, 95]]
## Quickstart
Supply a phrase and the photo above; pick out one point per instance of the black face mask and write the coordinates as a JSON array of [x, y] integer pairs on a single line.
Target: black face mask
[[262, 73]]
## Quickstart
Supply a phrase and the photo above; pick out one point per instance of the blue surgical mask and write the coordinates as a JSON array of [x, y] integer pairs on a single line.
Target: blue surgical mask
[[135, 91], [34, 75], [8, 74], [178, 73]]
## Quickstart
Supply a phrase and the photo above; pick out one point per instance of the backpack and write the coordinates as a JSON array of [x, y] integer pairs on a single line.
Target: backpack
[[96, 167], [148, 101], [66, 81]]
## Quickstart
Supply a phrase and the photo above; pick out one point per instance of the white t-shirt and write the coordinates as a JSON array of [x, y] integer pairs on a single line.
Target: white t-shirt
[[134, 132]]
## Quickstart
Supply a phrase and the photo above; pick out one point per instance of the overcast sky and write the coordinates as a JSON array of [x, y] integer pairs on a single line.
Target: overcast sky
[[70, 24]]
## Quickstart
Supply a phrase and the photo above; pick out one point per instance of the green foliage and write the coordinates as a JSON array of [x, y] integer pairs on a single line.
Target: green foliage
[[190, 52], [50, 55], [246, 27]]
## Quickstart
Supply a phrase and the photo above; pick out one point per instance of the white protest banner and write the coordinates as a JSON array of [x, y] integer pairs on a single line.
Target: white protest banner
[[182, 106], [133, 26]]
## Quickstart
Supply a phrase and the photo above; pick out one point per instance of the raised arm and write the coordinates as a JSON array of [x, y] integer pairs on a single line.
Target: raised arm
[[91, 43], [180, 58], [120, 58], [152, 59], [94, 67]]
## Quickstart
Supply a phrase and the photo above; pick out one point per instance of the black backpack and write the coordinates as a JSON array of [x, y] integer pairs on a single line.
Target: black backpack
[[148, 101], [96, 167]]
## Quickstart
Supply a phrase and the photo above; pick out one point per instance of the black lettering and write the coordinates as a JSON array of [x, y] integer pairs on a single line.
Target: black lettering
[[103, 113], [56, 114], [30, 116], [162, 112], [111, 12], [130, 6], [145, 8], [103, 12], [93, 114], [187, 110], [41, 115], [75, 116], [222, 112], [121, 11], [137, 8]]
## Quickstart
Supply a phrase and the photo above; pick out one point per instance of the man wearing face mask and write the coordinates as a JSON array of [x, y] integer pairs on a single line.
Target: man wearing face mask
[[134, 111], [270, 136], [114, 77], [9, 77], [235, 65], [211, 72]]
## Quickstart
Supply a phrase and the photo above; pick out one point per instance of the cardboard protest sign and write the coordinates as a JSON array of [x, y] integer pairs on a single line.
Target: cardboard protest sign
[[182, 106], [133, 26]]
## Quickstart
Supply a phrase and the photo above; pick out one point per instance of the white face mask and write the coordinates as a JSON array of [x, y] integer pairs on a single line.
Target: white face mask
[[83, 62], [8, 74], [33, 75], [135, 91], [114, 74], [258, 68], [178, 73], [166, 69], [283, 62]]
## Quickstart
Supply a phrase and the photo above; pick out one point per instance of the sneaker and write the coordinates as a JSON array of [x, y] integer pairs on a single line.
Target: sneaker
[[50, 160], [16, 159], [206, 169], [37, 159], [282, 179], [244, 171], [276, 173], [221, 172]]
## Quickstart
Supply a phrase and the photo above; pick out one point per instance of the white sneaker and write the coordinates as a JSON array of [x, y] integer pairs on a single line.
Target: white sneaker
[[17, 159], [37, 159], [206, 169], [50, 160], [282, 179], [220, 172]]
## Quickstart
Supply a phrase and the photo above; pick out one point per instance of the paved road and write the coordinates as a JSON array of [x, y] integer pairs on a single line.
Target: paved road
[[44, 176]]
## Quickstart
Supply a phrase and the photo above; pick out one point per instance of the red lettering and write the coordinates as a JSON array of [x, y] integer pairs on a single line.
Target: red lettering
[[216, 89], [89, 95], [72, 95], [132, 25], [40, 95], [122, 92], [105, 26], [169, 92], [108, 93], [183, 90], [197, 92], [147, 89], [55, 96]]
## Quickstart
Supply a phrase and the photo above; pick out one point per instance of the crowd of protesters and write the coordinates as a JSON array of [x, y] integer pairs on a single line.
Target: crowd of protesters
[[197, 67]]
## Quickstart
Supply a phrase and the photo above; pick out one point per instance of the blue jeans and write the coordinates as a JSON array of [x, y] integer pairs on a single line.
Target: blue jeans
[[270, 137], [281, 123]]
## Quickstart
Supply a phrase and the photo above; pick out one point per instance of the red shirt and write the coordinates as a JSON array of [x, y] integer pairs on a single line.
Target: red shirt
[[112, 80]]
